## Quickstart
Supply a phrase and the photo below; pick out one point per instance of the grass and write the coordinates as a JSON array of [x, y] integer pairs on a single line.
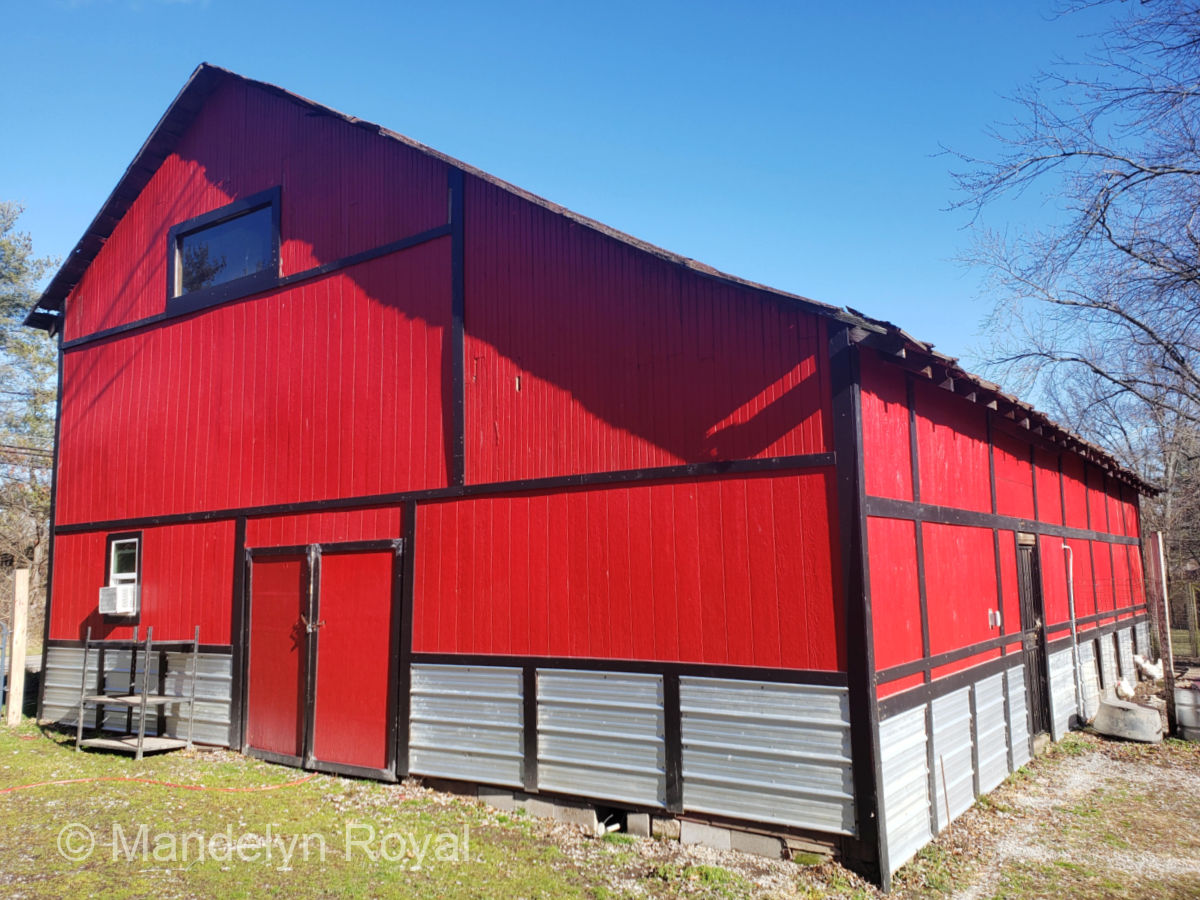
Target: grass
[[327, 836]]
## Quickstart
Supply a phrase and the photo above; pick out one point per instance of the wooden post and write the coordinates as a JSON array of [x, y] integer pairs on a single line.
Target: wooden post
[[20, 634]]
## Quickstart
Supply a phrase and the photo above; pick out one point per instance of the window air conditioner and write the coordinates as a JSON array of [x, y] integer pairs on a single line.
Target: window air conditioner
[[119, 600]]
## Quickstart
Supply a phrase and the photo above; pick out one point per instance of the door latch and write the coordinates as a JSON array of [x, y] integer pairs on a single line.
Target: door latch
[[310, 627]]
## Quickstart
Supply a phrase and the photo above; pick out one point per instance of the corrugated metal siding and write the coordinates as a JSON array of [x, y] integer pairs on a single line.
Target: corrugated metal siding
[[213, 685], [1108, 660], [600, 734], [467, 722], [331, 388], [953, 776], [585, 354], [1090, 678], [736, 571], [1125, 645], [1142, 633], [1062, 692], [1018, 716], [185, 582], [768, 752], [991, 731], [345, 189], [905, 788]]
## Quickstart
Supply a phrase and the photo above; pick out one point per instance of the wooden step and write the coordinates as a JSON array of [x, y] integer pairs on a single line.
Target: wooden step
[[129, 743]]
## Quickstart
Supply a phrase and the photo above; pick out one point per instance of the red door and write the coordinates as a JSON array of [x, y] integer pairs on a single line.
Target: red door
[[352, 710], [275, 668], [321, 666]]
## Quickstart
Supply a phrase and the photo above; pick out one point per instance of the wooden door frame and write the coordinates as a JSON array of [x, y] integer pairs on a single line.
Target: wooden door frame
[[1032, 683], [396, 740]]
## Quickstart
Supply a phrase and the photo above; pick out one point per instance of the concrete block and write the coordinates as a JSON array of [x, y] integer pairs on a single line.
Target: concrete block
[[1121, 719], [758, 844], [638, 824], [583, 816], [668, 829], [707, 835], [535, 806], [498, 798]]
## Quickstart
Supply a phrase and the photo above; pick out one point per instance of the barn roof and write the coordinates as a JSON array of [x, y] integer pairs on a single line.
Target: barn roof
[[914, 355]]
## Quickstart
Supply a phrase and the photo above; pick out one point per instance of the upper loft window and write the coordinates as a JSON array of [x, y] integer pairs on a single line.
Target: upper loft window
[[224, 254]]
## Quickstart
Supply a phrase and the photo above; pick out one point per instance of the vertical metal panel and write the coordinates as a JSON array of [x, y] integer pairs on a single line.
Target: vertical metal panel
[[905, 794], [1142, 632], [601, 734], [1125, 646], [330, 388], [466, 722], [211, 725], [586, 354], [185, 583], [1062, 692], [768, 752], [346, 189], [1018, 715], [887, 460], [952, 440], [1108, 661], [896, 614], [991, 731], [954, 768], [1089, 676], [722, 570], [382, 523]]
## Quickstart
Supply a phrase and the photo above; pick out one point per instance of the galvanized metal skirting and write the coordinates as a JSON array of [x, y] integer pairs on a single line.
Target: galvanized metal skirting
[[767, 752], [601, 735], [1062, 693], [467, 723], [1141, 633], [1108, 660], [1018, 716], [953, 748], [904, 795], [1125, 644], [991, 731], [930, 776], [1089, 677], [213, 691]]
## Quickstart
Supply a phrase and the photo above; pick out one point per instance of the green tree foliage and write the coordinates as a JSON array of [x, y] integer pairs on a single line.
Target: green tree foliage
[[28, 372]]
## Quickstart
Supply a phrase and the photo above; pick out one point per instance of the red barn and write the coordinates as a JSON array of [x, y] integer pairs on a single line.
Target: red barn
[[460, 484]]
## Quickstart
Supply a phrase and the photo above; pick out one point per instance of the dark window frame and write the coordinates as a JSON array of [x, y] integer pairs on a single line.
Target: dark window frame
[[108, 549], [177, 303]]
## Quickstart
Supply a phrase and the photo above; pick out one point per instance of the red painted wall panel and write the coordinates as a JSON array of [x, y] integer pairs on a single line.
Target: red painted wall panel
[[737, 571], [960, 585], [1097, 499], [1102, 565], [1014, 476], [271, 401], [584, 354], [275, 671], [952, 450], [895, 594], [1074, 491], [345, 189], [887, 451], [187, 573], [1009, 589], [1081, 560], [1054, 579], [325, 528], [1049, 496]]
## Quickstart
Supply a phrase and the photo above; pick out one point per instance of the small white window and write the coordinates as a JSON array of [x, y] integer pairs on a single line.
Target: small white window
[[123, 561]]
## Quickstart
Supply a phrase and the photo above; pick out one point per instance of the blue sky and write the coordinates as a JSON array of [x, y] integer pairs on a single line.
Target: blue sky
[[795, 144]]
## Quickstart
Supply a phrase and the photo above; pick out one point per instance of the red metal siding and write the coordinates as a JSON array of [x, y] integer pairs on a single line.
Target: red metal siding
[[952, 450], [887, 451], [736, 571], [275, 674], [330, 389], [1097, 504], [1054, 579], [1085, 595], [1009, 590], [1103, 582], [1049, 498], [960, 585], [584, 354], [187, 575], [1014, 476], [325, 528], [345, 189], [1074, 491], [895, 595]]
